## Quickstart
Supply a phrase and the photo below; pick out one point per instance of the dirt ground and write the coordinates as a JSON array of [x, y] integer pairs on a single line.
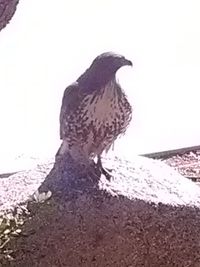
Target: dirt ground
[[135, 220], [187, 164]]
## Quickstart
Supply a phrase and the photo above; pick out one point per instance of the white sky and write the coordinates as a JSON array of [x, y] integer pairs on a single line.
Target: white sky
[[48, 44]]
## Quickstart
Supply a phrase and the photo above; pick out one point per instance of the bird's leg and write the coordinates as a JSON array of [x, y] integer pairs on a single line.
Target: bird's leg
[[101, 168]]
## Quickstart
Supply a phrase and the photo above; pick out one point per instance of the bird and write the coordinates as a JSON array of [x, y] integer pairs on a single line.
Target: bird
[[94, 112]]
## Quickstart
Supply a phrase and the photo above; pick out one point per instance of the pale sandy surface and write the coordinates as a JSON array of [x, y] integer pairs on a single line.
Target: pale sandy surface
[[146, 179], [17, 188]]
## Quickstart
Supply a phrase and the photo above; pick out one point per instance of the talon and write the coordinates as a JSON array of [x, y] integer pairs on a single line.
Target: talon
[[104, 171], [106, 174]]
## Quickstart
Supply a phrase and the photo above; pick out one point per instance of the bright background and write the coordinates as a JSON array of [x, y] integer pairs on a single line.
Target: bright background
[[48, 44]]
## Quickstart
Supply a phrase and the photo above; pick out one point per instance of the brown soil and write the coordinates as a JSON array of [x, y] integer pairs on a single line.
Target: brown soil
[[83, 225]]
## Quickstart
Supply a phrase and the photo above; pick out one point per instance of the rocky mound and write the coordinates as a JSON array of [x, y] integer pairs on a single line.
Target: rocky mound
[[147, 215]]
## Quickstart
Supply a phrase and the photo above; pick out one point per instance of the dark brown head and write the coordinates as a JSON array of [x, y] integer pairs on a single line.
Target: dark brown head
[[102, 70], [108, 63]]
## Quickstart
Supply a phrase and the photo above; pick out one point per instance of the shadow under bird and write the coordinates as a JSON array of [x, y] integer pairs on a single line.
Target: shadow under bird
[[94, 112]]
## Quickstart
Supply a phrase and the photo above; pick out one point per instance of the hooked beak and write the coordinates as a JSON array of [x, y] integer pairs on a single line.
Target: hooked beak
[[127, 62]]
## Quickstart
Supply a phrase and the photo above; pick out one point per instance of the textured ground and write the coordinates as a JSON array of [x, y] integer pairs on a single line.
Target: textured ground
[[18, 187], [166, 186], [148, 215], [188, 164]]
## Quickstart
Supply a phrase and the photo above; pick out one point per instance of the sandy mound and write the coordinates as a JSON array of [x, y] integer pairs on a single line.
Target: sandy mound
[[134, 220]]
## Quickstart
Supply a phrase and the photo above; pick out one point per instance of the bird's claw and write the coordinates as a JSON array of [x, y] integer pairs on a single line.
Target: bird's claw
[[106, 173]]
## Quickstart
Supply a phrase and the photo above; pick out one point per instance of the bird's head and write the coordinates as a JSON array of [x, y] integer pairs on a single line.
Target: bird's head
[[103, 69], [108, 63]]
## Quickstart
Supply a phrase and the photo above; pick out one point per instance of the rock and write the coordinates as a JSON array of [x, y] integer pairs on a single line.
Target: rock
[[148, 215], [7, 10]]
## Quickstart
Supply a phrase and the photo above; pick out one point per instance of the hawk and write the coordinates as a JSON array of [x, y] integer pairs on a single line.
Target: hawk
[[94, 111]]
